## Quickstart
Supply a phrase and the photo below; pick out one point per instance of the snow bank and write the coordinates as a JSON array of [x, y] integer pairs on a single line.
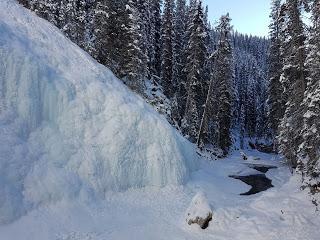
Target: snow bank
[[68, 127]]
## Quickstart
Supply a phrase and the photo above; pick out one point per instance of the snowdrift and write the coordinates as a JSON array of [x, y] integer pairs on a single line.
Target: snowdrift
[[68, 128]]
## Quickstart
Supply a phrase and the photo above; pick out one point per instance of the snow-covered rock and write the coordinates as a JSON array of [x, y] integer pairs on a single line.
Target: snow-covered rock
[[68, 127], [199, 211], [244, 156]]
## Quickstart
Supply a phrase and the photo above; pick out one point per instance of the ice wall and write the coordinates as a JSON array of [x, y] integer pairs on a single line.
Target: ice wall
[[69, 128]]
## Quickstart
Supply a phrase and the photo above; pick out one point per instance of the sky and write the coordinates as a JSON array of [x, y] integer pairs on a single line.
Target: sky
[[248, 16]]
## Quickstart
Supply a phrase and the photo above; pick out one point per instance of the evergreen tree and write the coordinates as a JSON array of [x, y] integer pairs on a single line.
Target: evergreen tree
[[294, 81], [132, 57], [168, 49], [120, 41], [84, 21], [25, 3], [242, 126], [251, 108], [68, 19], [223, 74], [155, 38], [275, 101], [310, 149], [89, 38], [180, 45], [107, 33], [190, 122], [197, 57], [144, 29], [47, 9], [215, 127], [207, 68]]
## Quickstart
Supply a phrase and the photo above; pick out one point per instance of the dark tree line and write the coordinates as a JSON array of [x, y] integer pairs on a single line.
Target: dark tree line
[[210, 77], [294, 86], [251, 83]]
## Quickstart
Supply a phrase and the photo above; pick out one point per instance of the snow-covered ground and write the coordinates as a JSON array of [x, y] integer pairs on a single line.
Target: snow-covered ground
[[282, 212], [83, 158]]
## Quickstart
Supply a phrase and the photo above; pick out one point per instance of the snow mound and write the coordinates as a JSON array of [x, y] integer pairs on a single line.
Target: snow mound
[[199, 211], [69, 128]]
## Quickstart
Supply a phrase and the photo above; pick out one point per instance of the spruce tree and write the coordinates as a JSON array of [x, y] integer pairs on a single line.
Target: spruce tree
[[242, 126], [293, 80], [155, 38], [68, 19], [180, 45], [107, 34], [89, 38], [132, 57], [47, 9], [79, 23], [144, 29], [168, 49], [197, 57], [223, 74], [25, 3], [310, 149], [275, 101], [251, 106]]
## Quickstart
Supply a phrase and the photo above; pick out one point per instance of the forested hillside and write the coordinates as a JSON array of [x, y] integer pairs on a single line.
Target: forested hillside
[[294, 86]]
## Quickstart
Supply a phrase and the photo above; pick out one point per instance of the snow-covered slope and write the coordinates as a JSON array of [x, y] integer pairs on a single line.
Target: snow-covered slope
[[68, 127]]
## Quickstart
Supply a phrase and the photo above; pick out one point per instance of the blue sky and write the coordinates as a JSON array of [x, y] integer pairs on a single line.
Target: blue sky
[[248, 16]]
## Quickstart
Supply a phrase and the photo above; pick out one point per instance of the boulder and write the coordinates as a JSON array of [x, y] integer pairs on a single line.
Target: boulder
[[199, 211], [244, 156]]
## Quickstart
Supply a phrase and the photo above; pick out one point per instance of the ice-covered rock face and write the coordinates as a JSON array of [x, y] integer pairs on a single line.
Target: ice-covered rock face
[[68, 127]]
